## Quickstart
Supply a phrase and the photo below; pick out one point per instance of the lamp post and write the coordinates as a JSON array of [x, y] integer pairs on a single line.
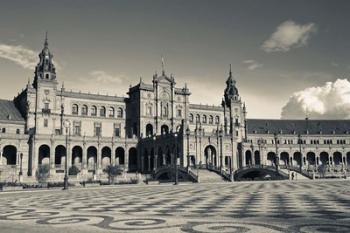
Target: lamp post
[[220, 139], [175, 160], [301, 156], [188, 147], [21, 167], [65, 181], [276, 155], [154, 153]]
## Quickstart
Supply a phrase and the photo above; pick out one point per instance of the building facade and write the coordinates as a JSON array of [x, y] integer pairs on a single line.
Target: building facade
[[154, 126]]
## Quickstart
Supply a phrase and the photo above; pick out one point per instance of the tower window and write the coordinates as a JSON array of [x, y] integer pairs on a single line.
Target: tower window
[[211, 119], [75, 109], [3, 130], [18, 131], [93, 111], [111, 112], [120, 113], [191, 117], [84, 110], [47, 76], [102, 111], [217, 119], [179, 113]]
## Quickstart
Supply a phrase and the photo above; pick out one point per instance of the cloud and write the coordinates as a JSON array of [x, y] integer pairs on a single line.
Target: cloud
[[330, 101], [20, 55], [99, 81], [289, 35], [252, 64], [102, 77]]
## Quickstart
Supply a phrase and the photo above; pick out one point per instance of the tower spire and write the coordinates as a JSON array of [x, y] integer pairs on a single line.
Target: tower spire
[[163, 70], [46, 43]]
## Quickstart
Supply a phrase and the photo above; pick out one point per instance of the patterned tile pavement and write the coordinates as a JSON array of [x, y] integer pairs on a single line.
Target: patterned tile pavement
[[310, 206]]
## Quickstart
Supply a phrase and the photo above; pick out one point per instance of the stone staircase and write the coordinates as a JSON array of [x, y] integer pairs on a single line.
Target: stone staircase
[[297, 175], [206, 176]]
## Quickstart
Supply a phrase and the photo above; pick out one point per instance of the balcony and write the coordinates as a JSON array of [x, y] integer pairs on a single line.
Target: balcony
[[46, 111]]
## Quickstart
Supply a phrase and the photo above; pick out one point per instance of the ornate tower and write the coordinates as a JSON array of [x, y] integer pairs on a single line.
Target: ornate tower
[[45, 71], [45, 85], [234, 111]]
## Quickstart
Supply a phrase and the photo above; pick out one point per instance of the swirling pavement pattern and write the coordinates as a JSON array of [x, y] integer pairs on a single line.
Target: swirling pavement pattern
[[201, 208]]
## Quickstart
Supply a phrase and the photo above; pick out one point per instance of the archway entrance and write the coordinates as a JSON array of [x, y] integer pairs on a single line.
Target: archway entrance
[[210, 155], [164, 129], [248, 158], [285, 158], [60, 156], [337, 157], [257, 157], [120, 156], [44, 155], [77, 155], [271, 158], [132, 159], [106, 156], [92, 157], [9, 155], [149, 130], [324, 158]]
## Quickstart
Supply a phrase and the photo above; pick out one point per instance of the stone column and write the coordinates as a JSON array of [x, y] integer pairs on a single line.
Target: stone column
[[84, 159], [113, 157], [69, 156], [243, 158], [99, 159], [142, 163], [34, 159], [149, 163], [155, 161], [164, 161], [126, 159]]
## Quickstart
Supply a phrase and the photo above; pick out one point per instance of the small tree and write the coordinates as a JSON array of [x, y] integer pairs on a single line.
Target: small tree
[[42, 173], [73, 170], [112, 171]]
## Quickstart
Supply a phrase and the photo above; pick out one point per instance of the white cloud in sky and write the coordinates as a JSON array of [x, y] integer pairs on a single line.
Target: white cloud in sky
[[20, 55], [252, 64], [289, 35], [102, 77], [99, 81], [330, 101]]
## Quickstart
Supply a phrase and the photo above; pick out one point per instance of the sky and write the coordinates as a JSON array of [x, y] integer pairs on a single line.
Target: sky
[[290, 58]]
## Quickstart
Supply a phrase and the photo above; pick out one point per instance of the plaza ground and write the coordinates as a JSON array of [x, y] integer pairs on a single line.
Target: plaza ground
[[277, 206]]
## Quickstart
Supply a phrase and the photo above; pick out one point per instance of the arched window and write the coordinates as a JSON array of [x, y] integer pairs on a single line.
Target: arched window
[[102, 111], [84, 110], [93, 111], [120, 113], [204, 119], [75, 109], [191, 118], [217, 120], [211, 119], [111, 112], [149, 110], [198, 118]]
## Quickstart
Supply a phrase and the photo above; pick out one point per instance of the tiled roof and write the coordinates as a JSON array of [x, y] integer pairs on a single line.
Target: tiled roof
[[262, 126], [91, 96], [9, 112]]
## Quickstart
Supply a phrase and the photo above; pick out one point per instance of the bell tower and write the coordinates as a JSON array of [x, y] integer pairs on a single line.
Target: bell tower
[[45, 85], [45, 71], [234, 110]]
